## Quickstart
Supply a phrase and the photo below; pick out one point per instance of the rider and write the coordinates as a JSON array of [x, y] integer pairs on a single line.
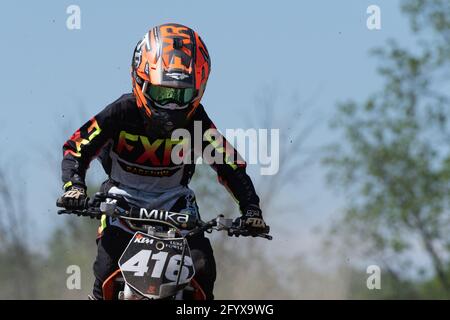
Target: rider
[[133, 139]]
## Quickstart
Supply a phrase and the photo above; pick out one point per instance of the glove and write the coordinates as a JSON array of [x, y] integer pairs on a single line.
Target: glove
[[73, 198], [253, 221]]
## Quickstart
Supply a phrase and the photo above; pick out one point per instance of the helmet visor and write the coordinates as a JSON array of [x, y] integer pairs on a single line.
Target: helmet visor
[[165, 95]]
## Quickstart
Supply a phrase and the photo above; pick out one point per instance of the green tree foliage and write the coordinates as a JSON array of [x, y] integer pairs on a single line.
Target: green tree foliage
[[20, 261], [396, 162], [72, 244]]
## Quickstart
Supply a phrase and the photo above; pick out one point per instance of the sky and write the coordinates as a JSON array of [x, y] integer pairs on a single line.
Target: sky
[[53, 78]]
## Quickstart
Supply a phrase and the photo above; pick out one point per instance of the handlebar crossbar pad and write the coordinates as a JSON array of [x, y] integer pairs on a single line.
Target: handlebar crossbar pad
[[178, 219]]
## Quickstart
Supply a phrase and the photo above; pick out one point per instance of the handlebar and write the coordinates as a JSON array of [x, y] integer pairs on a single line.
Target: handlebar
[[233, 228], [102, 204]]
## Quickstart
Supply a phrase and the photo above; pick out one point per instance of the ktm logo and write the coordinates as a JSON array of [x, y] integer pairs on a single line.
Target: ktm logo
[[141, 239]]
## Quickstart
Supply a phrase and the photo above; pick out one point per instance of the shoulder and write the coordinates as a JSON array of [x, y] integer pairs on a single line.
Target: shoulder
[[200, 114], [123, 103], [123, 107]]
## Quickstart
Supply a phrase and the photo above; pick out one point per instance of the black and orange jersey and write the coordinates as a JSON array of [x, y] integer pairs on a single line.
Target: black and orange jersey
[[134, 157]]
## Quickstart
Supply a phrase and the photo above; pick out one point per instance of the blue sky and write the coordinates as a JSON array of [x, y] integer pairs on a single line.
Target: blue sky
[[52, 78]]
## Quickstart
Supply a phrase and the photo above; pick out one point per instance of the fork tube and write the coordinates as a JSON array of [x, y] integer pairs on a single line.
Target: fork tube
[[183, 253]]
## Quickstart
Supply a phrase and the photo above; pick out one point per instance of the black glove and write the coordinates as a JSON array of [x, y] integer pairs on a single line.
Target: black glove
[[73, 198], [253, 221]]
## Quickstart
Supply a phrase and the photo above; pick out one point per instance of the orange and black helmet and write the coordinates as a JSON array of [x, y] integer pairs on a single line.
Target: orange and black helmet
[[169, 70]]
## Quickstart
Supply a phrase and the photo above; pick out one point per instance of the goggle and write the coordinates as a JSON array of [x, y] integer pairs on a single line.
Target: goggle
[[169, 98]]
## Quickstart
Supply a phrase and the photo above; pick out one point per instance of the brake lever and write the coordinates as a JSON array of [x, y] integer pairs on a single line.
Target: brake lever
[[79, 213], [266, 236]]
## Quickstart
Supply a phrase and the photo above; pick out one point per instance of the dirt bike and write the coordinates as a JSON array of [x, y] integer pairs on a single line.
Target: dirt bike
[[157, 263]]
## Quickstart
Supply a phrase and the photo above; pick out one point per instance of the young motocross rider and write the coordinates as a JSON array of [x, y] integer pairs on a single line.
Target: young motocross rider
[[132, 138]]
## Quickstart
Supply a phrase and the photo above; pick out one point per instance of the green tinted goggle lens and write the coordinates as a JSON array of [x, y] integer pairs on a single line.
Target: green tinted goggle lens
[[164, 95]]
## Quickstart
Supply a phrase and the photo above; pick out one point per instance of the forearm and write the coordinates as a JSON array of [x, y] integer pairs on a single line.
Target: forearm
[[73, 172], [240, 185]]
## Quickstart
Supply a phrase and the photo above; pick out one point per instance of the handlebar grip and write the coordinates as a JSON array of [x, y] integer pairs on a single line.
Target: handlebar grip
[[242, 231], [59, 203], [84, 204], [134, 213], [83, 213]]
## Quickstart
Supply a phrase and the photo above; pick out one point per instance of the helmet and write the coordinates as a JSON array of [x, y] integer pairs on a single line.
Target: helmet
[[169, 72]]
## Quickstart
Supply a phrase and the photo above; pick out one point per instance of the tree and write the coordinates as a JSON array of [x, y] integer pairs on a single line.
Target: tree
[[395, 165], [19, 272], [71, 244], [294, 132], [247, 268]]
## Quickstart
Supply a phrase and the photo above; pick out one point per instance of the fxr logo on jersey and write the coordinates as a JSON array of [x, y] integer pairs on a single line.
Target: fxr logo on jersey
[[140, 150]]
